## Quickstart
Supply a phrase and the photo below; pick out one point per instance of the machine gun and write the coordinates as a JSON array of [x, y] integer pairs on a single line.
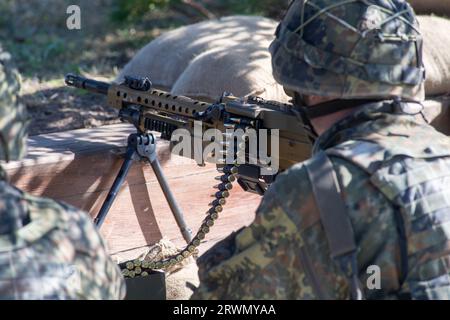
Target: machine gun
[[149, 110]]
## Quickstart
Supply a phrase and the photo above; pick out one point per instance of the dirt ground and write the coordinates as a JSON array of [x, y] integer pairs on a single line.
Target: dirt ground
[[60, 109]]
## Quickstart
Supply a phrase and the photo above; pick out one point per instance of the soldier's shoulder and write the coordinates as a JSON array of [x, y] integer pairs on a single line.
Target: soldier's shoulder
[[44, 204], [278, 207], [74, 223], [53, 210], [9, 192], [378, 149], [12, 197], [5, 57], [51, 218], [12, 209], [292, 195], [289, 182]]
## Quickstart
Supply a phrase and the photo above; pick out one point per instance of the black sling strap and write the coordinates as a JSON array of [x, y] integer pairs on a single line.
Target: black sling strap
[[335, 220]]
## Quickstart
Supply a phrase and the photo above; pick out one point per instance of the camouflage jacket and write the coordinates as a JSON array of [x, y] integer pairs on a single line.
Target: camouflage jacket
[[390, 166], [49, 250]]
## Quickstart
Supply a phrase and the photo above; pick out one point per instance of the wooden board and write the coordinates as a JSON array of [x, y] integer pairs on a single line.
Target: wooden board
[[79, 167]]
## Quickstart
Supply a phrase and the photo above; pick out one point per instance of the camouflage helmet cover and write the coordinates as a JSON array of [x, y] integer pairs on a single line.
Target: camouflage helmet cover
[[351, 49], [13, 119]]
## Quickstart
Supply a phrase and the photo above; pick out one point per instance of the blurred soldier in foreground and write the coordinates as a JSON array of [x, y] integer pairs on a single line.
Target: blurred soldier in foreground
[[369, 215], [48, 250]]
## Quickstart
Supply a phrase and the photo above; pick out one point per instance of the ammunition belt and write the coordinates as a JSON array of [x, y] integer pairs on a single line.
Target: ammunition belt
[[138, 268]]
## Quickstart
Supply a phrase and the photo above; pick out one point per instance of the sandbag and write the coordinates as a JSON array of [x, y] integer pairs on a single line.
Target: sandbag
[[436, 34], [205, 59], [437, 112], [438, 7], [243, 69], [231, 54], [166, 58]]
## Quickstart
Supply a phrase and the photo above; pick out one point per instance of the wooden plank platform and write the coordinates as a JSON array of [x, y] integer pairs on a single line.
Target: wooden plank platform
[[79, 167]]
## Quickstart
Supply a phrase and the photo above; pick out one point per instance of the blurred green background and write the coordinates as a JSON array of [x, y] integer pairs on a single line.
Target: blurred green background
[[35, 32], [112, 31]]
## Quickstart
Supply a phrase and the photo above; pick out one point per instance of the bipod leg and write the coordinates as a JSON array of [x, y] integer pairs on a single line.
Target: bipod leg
[[146, 148], [130, 156], [176, 210]]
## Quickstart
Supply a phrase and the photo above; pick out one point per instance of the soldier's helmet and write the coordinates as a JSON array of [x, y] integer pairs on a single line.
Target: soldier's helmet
[[13, 117], [360, 49]]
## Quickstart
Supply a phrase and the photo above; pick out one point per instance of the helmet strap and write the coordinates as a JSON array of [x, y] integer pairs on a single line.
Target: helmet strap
[[330, 107], [299, 102]]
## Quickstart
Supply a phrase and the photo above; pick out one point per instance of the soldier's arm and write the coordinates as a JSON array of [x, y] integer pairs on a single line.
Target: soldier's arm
[[274, 258], [79, 246], [99, 274]]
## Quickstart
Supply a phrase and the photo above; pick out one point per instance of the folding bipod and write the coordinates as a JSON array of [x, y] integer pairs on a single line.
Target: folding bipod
[[142, 146]]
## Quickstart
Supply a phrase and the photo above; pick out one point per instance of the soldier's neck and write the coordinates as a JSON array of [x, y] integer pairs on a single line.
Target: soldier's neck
[[322, 124]]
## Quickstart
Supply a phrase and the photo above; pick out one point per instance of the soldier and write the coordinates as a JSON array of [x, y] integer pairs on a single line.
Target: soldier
[[368, 215], [48, 250]]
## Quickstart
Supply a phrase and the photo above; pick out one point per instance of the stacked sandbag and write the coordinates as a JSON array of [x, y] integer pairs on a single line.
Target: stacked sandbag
[[436, 34], [205, 59], [243, 70], [437, 112], [231, 54], [438, 7]]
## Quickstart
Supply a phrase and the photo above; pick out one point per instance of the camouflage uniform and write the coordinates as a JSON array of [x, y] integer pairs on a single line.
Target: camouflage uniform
[[284, 254], [391, 168], [48, 250]]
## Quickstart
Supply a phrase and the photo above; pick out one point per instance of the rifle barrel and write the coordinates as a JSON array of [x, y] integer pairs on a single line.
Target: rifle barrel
[[87, 84]]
